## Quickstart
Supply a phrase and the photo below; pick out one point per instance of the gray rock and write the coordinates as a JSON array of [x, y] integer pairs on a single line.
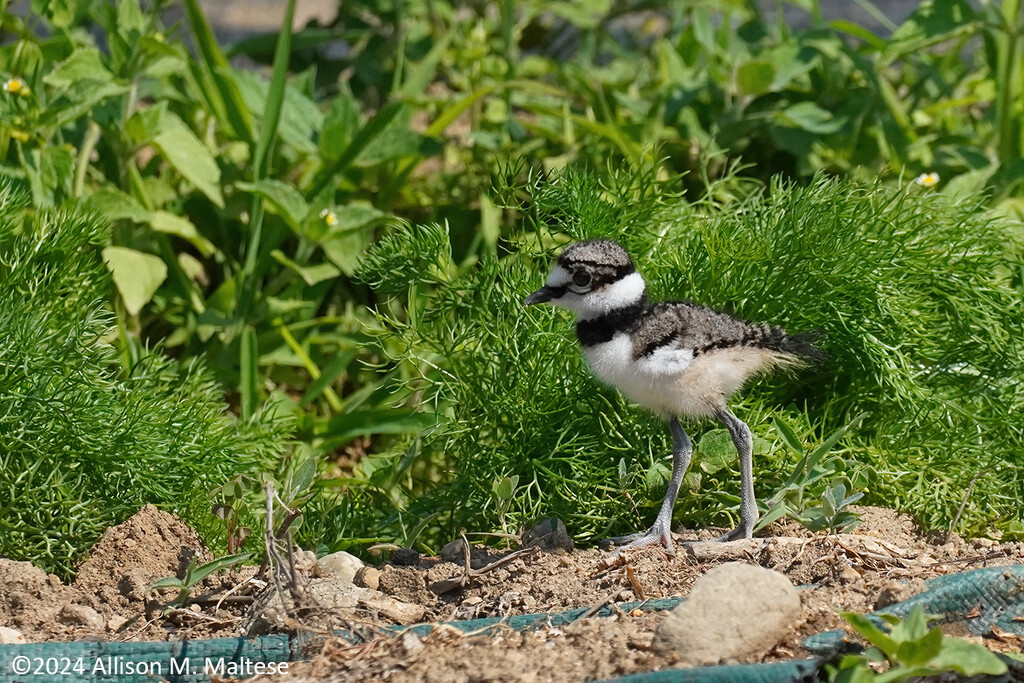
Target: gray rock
[[548, 535], [734, 611], [81, 615], [453, 551], [340, 565]]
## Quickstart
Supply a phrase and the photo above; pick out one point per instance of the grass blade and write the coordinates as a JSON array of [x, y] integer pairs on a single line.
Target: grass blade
[[219, 70], [249, 372], [275, 97]]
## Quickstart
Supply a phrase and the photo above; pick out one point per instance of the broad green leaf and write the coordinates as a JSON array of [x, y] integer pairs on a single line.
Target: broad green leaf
[[285, 199], [776, 511], [136, 275], [367, 134], [300, 118], [790, 61], [220, 563], [192, 159], [657, 475], [755, 77], [333, 224], [169, 582], [967, 658], [301, 478], [115, 205], [63, 14], [918, 652], [716, 450], [933, 21], [872, 633], [583, 15], [340, 124], [913, 628], [810, 117], [130, 20], [788, 435], [395, 140], [144, 124], [50, 172], [345, 249], [173, 224], [84, 65]]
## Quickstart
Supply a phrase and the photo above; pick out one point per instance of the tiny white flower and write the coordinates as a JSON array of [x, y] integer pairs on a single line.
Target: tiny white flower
[[930, 179], [329, 217], [15, 85]]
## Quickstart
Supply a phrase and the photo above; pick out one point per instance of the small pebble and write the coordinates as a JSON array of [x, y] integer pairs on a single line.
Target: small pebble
[[411, 642], [81, 615], [340, 565], [368, 577], [453, 551], [11, 636]]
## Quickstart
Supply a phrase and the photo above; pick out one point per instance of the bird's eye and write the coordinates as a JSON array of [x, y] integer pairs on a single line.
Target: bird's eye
[[581, 278]]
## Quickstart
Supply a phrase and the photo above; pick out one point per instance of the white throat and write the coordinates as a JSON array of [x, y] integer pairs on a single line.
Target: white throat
[[620, 294]]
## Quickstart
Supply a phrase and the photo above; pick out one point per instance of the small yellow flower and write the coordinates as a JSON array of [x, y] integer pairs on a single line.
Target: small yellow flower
[[927, 179], [329, 217], [15, 86]]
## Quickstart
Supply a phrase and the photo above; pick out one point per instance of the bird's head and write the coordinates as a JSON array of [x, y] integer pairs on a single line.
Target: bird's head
[[592, 278]]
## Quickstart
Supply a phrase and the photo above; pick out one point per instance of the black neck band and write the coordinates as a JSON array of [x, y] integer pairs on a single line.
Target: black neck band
[[601, 329]]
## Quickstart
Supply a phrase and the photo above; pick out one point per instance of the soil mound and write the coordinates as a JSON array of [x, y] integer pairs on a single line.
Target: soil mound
[[108, 593]]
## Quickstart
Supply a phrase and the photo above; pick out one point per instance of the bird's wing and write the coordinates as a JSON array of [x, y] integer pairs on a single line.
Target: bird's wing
[[673, 333]]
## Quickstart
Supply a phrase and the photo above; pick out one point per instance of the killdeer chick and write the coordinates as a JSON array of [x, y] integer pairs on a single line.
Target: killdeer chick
[[673, 358]]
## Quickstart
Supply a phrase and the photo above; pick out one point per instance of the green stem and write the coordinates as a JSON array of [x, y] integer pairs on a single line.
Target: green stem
[[92, 138], [1007, 84]]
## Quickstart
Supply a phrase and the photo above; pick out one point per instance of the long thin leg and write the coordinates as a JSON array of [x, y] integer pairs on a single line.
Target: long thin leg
[[744, 446], [661, 531]]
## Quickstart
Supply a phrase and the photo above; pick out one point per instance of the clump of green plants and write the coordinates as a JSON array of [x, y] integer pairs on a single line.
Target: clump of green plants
[[84, 442], [907, 649], [194, 574], [903, 284], [817, 468]]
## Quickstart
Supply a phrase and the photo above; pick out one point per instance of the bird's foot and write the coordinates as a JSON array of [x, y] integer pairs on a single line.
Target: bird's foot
[[659, 534]]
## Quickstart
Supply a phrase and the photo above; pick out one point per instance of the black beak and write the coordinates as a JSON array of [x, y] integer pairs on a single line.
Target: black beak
[[540, 296]]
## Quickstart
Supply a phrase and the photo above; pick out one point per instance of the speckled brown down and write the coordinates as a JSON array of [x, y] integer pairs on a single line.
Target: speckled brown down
[[674, 358]]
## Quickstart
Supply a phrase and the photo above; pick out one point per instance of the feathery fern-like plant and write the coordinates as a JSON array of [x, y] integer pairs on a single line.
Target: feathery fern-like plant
[[84, 442], [915, 294]]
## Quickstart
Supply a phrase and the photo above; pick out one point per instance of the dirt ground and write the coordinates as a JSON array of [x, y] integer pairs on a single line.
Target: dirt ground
[[885, 561]]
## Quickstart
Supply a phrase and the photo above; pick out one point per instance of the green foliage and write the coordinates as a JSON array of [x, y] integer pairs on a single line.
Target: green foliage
[[832, 513], [854, 262], [195, 573], [83, 442], [241, 206], [907, 649], [813, 470], [237, 205]]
